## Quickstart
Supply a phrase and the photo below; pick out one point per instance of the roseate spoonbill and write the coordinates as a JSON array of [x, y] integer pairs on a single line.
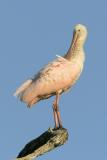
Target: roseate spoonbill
[[56, 77]]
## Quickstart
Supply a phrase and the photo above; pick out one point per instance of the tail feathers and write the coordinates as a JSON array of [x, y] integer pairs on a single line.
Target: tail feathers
[[23, 87]]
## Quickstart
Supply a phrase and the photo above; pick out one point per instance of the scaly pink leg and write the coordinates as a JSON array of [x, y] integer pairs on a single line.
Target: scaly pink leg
[[57, 118]]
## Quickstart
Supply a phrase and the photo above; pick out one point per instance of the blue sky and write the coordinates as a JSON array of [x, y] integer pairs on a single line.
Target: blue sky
[[32, 32]]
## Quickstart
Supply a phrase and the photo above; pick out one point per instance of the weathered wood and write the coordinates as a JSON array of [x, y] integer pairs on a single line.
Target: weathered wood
[[46, 142]]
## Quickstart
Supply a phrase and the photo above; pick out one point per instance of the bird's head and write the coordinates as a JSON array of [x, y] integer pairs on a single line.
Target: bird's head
[[79, 34]]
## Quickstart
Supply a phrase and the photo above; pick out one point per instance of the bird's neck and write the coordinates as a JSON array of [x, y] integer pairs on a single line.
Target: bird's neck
[[74, 50]]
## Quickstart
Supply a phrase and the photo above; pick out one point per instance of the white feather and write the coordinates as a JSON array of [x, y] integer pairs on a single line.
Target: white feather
[[23, 87], [62, 58]]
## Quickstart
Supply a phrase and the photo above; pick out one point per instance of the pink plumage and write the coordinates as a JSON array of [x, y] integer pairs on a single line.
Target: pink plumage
[[58, 76]]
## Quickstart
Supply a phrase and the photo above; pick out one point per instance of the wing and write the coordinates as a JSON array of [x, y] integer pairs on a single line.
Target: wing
[[53, 77]]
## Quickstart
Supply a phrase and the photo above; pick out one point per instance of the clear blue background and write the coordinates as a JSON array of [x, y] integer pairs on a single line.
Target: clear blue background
[[32, 32]]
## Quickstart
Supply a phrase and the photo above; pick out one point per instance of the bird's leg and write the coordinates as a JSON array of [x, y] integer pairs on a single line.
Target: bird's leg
[[59, 118], [55, 116], [57, 113]]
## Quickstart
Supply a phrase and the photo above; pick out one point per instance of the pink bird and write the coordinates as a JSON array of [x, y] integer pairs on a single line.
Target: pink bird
[[56, 77]]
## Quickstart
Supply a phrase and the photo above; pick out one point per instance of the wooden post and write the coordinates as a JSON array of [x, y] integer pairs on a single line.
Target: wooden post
[[46, 142]]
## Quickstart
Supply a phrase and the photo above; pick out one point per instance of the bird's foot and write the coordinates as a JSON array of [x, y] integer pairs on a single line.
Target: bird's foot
[[59, 127]]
